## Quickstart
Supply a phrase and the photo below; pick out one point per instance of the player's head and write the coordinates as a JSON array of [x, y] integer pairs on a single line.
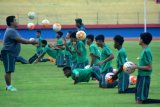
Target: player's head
[[118, 41], [145, 38], [78, 22], [73, 37], [59, 34], [38, 33], [11, 21], [68, 34], [67, 71], [44, 43], [100, 40], [89, 39]]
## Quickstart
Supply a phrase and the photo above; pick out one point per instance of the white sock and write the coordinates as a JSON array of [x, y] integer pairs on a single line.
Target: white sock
[[9, 86]]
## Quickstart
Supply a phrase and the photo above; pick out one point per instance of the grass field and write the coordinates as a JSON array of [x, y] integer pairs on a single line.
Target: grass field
[[44, 85], [92, 11]]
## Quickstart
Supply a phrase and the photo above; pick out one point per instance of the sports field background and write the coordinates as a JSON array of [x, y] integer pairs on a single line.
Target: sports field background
[[44, 85], [91, 11]]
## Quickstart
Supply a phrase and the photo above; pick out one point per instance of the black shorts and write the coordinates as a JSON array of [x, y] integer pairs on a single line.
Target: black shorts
[[8, 61]]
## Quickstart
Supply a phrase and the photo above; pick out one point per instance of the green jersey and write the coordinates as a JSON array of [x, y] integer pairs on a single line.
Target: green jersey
[[94, 50], [59, 42], [82, 49], [121, 59], [74, 54], [39, 48], [82, 74], [145, 59], [67, 52], [51, 52], [106, 52]]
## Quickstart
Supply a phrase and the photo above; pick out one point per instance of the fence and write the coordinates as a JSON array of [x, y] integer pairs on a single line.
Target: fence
[[89, 18]]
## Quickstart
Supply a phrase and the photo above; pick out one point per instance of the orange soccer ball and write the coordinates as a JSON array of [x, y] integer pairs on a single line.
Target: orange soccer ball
[[57, 27], [45, 23], [133, 80], [108, 77], [81, 35], [30, 26]]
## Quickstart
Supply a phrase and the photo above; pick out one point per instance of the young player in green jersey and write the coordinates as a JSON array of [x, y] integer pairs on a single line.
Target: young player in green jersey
[[82, 75], [105, 62], [123, 78]]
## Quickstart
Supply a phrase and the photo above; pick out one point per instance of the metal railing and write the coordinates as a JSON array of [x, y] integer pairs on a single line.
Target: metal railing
[[89, 18]]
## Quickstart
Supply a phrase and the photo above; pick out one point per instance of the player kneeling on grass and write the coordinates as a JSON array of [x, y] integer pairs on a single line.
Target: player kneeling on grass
[[123, 78], [80, 50], [49, 49], [82, 75], [94, 51], [68, 51], [60, 53], [144, 71], [105, 62]]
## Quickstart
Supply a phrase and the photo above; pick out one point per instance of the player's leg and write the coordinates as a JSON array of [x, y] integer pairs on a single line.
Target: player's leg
[[33, 58], [22, 60], [96, 72], [61, 60], [103, 83], [123, 83], [9, 65], [142, 89], [68, 60]]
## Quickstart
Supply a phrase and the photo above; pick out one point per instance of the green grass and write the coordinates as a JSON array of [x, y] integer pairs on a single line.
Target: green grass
[[44, 85], [65, 11]]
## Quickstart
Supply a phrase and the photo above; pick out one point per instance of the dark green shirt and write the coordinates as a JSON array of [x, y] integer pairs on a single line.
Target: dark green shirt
[[94, 50], [82, 74], [121, 59], [59, 42], [67, 52], [82, 49], [39, 48], [145, 59], [51, 52], [106, 52]]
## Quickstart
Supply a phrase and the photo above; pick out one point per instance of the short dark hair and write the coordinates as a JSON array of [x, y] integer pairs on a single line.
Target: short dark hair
[[78, 20], [100, 37], [44, 42], [90, 36], [73, 34], [38, 31], [66, 67], [119, 39], [60, 33], [9, 20], [146, 37]]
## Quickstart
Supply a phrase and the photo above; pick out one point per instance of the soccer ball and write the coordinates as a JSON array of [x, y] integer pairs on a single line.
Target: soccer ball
[[127, 67], [31, 15], [57, 27], [30, 26], [31, 39], [45, 23], [108, 77], [86, 67], [132, 80], [81, 35]]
